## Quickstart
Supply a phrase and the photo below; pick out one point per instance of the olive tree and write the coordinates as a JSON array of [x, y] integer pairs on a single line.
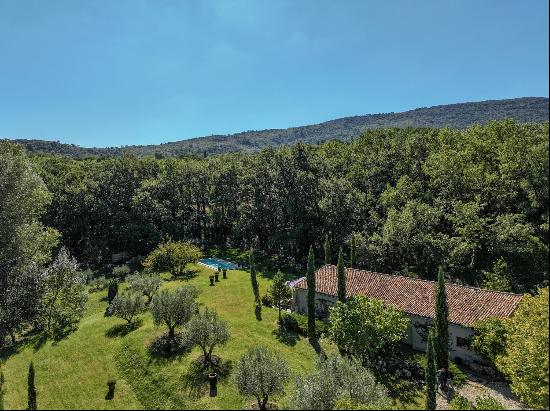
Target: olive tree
[[338, 378], [172, 256], [261, 373], [127, 306], [65, 296], [174, 309], [145, 283], [207, 331]]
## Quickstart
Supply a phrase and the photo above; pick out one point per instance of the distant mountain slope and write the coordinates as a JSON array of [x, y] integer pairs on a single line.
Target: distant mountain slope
[[462, 115]]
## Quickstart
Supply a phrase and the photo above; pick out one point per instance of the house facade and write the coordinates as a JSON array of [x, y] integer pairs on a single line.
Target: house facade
[[416, 298]]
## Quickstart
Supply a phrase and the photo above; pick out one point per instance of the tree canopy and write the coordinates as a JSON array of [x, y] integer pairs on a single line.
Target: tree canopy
[[261, 373], [525, 361], [366, 327], [337, 379], [473, 201], [172, 256]]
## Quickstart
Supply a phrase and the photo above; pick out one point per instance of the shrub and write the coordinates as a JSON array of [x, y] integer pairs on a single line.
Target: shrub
[[267, 301], [488, 403], [289, 322], [121, 272], [459, 378], [460, 403], [98, 284], [88, 275], [298, 323]]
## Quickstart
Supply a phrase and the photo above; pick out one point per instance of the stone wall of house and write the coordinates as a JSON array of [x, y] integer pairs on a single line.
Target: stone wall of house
[[458, 335], [322, 302]]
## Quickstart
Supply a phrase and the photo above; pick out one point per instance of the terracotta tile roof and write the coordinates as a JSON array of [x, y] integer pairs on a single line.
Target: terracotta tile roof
[[413, 296]]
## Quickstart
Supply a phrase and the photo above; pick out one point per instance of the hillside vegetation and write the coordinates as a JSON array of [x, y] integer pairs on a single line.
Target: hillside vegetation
[[456, 116], [474, 201]]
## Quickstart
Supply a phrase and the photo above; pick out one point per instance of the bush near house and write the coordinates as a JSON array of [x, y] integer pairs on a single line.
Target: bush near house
[[298, 323], [525, 361]]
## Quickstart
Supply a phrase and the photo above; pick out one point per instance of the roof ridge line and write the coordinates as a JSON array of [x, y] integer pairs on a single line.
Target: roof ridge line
[[423, 280]]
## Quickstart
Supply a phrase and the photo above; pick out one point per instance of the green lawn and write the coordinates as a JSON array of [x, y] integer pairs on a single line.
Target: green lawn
[[73, 372]]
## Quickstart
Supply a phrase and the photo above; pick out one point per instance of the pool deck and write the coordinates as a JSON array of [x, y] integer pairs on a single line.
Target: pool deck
[[223, 264]]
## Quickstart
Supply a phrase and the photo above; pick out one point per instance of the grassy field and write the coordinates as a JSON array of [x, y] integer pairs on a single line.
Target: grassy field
[[73, 373]]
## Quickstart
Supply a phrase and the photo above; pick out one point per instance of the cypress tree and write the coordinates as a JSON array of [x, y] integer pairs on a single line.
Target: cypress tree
[[441, 323], [352, 251], [310, 278], [327, 250], [112, 291], [341, 277], [431, 383], [253, 279], [2, 381], [31, 389]]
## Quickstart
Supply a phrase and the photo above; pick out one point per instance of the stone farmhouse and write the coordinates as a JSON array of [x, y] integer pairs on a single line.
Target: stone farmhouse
[[414, 297]]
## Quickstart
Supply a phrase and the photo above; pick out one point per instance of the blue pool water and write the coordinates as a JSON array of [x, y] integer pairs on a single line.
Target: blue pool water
[[214, 263]]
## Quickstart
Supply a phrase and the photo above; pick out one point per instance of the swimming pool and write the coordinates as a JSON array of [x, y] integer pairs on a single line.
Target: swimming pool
[[214, 263]]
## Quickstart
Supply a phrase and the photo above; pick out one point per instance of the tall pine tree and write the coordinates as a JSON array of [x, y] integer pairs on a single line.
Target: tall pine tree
[[341, 277], [441, 323], [31, 389], [253, 279], [352, 251], [310, 278], [431, 370], [327, 250]]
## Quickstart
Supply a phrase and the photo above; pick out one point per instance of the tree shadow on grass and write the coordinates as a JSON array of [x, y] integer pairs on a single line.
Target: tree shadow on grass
[[34, 339], [40, 341], [121, 330], [13, 348], [195, 379], [187, 274], [286, 337], [405, 390], [164, 349], [314, 342], [258, 312]]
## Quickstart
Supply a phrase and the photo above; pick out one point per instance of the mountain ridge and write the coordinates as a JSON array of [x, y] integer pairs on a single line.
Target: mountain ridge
[[456, 115]]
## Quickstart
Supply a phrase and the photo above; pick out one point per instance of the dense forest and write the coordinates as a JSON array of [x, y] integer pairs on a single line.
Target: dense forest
[[473, 201], [455, 116]]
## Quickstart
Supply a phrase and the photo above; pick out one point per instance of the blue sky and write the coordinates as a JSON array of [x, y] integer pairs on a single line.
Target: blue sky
[[105, 73]]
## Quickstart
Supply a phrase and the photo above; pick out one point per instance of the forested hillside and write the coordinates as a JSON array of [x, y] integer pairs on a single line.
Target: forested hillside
[[456, 116], [474, 201]]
